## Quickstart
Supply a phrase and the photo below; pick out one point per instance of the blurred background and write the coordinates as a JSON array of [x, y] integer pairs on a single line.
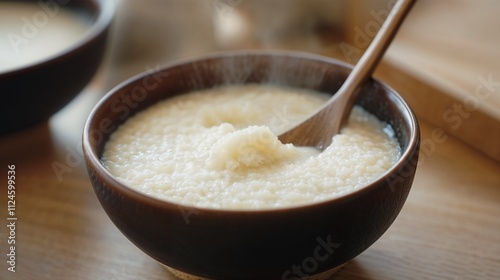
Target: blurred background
[[154, 32], [443, 52]]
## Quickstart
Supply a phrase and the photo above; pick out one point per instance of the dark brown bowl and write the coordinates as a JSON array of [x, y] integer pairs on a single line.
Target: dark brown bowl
[[261, 244], [34, 92]]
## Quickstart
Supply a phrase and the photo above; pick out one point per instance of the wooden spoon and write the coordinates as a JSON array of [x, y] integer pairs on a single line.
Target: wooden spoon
[[319, 129]]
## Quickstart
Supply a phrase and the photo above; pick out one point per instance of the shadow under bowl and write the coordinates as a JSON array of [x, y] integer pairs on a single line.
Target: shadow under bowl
[[33, 92], [253, 244]]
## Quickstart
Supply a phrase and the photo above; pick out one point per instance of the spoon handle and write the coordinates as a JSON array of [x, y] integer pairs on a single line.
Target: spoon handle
[[319, 129], [363, 70]]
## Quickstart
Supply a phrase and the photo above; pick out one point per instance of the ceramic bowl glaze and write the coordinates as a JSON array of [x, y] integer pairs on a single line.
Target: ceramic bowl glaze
[[286, 243]]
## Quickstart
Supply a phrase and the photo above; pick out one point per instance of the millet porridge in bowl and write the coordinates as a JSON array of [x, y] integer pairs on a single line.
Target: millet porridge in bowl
[[217, 148], [185, 162]]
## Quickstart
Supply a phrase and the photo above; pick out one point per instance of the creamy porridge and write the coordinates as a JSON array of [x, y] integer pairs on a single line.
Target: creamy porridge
[[218, 149]]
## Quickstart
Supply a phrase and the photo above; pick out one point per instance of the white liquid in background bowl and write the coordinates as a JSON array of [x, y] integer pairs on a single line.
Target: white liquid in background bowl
[[33, 32]]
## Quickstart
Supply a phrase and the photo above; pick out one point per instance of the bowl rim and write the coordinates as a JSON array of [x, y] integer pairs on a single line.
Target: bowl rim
[[95, 165], [104, 14]]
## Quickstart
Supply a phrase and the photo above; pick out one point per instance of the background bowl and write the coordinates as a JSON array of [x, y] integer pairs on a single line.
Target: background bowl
[[34, 92], [265, 244]]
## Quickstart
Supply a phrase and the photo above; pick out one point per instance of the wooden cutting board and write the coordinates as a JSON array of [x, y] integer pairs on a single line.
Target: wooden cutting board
[[446, 62]]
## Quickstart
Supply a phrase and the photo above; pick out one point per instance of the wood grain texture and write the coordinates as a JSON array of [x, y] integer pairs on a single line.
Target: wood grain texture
[[446, 62], [448, 229]]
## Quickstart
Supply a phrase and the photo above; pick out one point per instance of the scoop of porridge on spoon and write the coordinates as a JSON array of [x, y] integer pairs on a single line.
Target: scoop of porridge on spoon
[[319, 129]]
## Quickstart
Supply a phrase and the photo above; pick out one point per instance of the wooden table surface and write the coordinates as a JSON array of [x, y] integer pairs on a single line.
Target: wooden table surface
[[449, 227]]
